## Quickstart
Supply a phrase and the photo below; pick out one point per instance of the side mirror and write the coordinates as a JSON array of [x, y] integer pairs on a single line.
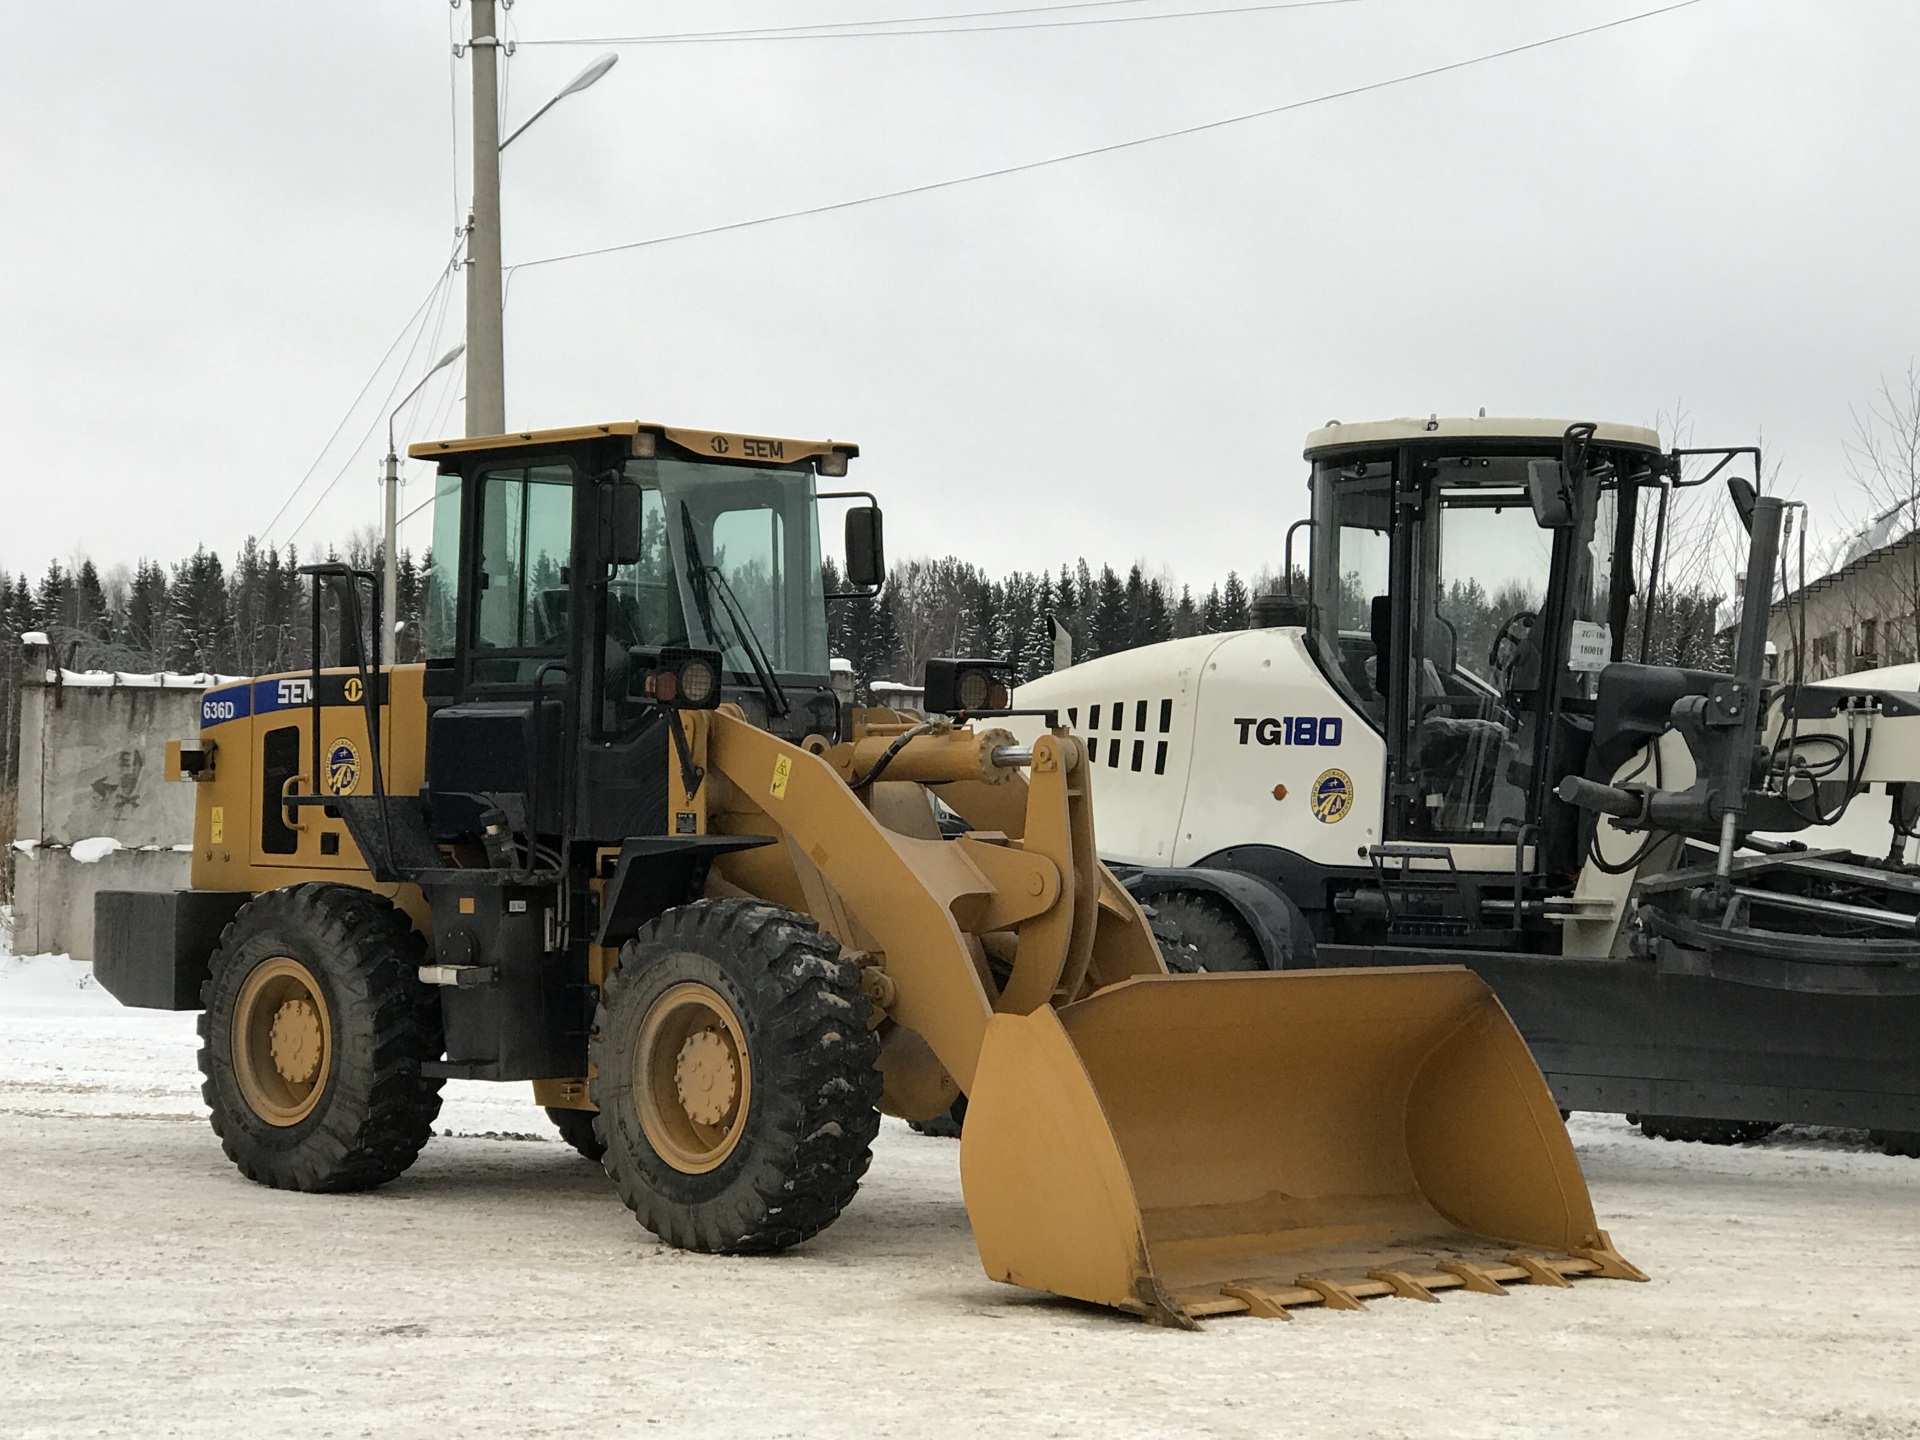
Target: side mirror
[[1550, 495], [1741, 490], [866, 550], [620, 522]]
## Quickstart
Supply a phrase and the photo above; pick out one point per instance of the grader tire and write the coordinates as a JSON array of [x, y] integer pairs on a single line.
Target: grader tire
[[1897, 1142], [1196, 933], [1706, 1132], [734, 1075], [576, 1128], [947, 1125], [313, 1031]]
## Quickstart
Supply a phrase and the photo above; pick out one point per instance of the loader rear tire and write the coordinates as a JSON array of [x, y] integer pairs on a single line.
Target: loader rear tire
[[576, 1128], [1706, 1132], [734, 1075], [1198, 933], [314, 1029]]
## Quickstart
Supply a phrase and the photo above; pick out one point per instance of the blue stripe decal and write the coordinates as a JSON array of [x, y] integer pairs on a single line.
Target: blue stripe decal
[[229, 702], [254, 697]]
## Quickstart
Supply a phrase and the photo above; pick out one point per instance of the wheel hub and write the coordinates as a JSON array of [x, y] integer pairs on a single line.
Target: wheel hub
[[694, 1077], [282, 1041], [295, 1041], [706, 1078]]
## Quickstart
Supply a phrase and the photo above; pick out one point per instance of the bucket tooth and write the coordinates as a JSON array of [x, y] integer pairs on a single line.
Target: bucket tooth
[[1607, 1261], [1333, 1295], [1404, 1285], [1474, 1277], [1260, 1303], [1539, 1271]]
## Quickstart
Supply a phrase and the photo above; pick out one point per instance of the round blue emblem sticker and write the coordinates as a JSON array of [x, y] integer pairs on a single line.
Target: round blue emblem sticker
[[1332, 796], [343, 767]]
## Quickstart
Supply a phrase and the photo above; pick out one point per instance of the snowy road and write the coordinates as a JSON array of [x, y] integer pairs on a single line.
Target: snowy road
[[499, 1288]]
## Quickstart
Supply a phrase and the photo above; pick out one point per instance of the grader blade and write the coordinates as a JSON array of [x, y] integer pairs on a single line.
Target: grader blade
[[1191, 1145]]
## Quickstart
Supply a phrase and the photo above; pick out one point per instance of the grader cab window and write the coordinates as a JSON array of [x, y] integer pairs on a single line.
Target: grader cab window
[[525, 541]]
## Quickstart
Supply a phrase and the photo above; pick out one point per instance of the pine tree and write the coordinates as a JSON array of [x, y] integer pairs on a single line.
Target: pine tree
[[1136, 606], [53, 599], [1186, 616], [89, 602], [1109, 621], [143, 631], [197, 606], [1234, 603]]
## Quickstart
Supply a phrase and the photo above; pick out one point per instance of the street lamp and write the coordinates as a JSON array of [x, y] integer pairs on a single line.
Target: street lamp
[[486, 363], [573, 87], [390, 528]]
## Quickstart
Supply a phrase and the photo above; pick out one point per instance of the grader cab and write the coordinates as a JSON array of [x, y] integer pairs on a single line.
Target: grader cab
[[616, 836]]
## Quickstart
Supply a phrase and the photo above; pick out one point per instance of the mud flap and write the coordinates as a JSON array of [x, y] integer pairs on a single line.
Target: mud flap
[[1187, 1145]]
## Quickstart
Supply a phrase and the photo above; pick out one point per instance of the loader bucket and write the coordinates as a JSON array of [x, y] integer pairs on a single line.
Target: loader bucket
[[1190, 1145]]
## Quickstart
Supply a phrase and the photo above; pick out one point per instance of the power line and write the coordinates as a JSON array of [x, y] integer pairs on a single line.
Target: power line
[[890, 20], [380, 365], [917, 27], [1116, 146], [443, 291]]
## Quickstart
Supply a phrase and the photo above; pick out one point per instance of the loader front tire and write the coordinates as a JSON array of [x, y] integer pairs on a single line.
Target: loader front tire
[[314, 1029], [734, 1073]]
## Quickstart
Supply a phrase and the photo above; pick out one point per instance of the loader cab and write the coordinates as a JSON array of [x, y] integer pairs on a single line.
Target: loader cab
[[562, 560], [1470, 579]]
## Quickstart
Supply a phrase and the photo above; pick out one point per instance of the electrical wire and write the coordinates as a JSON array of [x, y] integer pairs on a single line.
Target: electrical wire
[[869, 24], [374, 375], [918, 27], [443, 291], [1116, 146]]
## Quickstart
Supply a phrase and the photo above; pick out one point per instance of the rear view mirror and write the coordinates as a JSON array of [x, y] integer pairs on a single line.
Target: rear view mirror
[[1742, 492], [1551, 496], [866, 550], [620, 522]]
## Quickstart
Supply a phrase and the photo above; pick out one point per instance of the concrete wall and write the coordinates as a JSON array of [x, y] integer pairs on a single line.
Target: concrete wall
[[92, 757]]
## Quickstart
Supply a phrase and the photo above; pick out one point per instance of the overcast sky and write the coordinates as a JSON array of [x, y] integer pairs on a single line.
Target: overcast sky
[[218, 216]]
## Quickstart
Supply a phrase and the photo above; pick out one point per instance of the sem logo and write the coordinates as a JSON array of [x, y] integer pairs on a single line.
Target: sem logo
[[1332, 797], [718, 444], [343, 767], [296, 692], [1291, 730], [354, 690]]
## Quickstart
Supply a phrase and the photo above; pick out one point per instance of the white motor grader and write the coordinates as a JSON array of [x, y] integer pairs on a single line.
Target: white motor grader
[[1442, 752]]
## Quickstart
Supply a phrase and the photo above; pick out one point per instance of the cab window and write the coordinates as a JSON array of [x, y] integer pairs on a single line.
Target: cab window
[[523, 579]]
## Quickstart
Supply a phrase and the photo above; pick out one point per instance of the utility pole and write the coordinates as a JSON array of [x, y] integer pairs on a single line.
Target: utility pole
[[486, 345]]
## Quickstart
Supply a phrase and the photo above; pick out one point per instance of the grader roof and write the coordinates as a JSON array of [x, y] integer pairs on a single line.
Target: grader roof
[[1334, 435], [721, 445]]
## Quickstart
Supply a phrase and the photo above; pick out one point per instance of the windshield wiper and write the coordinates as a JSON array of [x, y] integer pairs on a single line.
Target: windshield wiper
[[743, 632]]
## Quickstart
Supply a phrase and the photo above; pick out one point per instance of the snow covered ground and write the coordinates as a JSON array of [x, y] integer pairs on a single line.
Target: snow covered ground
[[500, 1289]]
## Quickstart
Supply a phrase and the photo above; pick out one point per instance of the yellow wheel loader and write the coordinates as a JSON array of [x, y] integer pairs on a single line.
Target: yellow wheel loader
[[617, 837], [1450, 746]]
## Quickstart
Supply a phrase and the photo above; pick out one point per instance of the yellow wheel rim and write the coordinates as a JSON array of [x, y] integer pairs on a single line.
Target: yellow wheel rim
[[282, 1041], [693, 1081]]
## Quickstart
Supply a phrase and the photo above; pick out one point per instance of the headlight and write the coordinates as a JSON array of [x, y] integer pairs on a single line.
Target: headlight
[[970, 686]]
